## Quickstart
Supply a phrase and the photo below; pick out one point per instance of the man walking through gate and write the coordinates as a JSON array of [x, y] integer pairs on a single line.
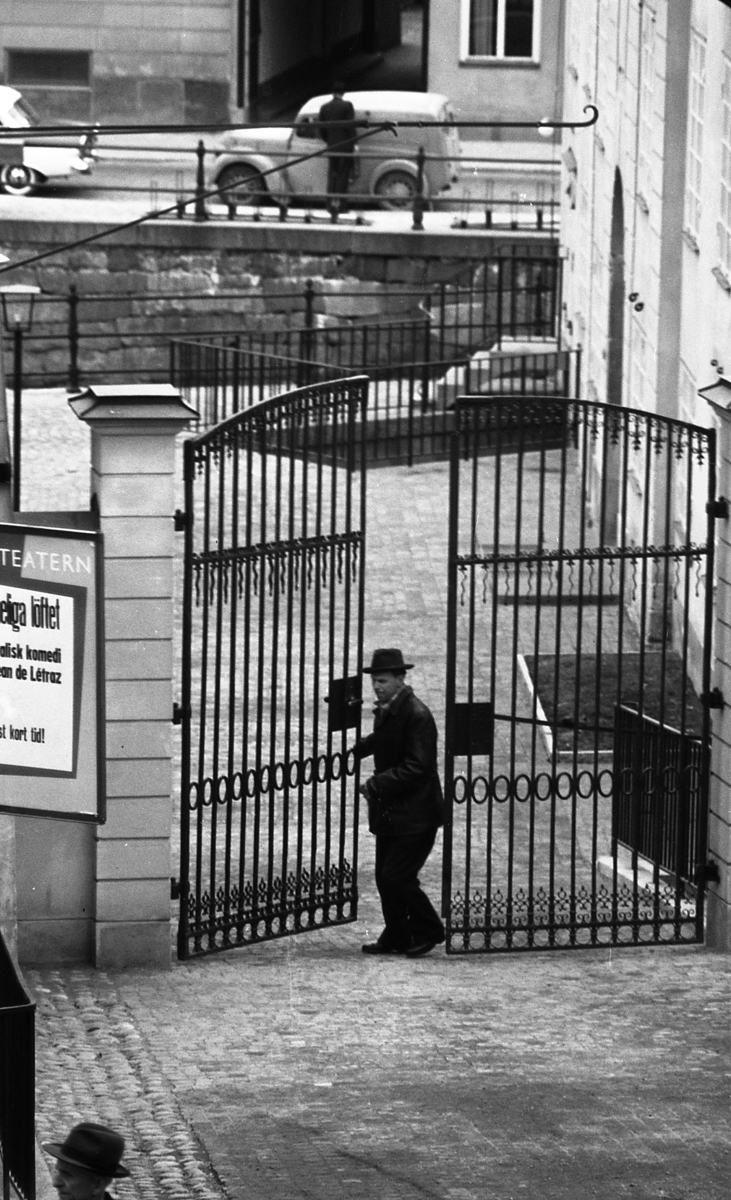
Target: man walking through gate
[[340, 139], [405, 807]]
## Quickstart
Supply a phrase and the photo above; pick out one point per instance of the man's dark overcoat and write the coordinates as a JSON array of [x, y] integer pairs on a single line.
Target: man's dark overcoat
[[343, 135], [406, 780]]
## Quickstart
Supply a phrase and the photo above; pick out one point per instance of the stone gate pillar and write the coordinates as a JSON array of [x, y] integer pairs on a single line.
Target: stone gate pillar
[[133, 431], [718, 919]]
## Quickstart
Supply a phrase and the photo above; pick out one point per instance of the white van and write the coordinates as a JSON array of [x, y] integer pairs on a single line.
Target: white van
[[385, 167]]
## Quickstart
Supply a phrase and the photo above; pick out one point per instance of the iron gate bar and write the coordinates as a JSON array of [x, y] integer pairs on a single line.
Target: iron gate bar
[[531, 850], [274, 568]]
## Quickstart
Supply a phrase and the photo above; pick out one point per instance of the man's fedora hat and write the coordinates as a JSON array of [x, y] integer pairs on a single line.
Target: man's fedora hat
[[93, 1148], [387, 660]]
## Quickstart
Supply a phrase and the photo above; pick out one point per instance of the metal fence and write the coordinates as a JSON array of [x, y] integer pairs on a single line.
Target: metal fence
[[17, 1082], [658, 793], [498, 333], [410, 412], [79, 338]]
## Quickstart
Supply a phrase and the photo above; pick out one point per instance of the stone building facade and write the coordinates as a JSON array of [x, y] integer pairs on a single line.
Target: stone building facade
[[176, 61], [646, 230], [498, 60]]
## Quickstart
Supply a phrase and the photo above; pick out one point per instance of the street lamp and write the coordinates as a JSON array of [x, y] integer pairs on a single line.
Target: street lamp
[[17, 306]]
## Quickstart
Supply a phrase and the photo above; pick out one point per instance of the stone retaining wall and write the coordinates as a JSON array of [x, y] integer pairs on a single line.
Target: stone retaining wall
[[140, 286]]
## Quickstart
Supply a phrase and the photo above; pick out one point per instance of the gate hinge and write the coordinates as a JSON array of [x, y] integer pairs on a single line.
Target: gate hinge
[[713, 699], [718, 509], [707, 872], [180, 520], [178, 713], [174, 888]]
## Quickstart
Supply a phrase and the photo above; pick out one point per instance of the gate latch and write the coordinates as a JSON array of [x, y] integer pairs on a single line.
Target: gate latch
[[473, 730], [344, 704], [713, 699], [718, 509]]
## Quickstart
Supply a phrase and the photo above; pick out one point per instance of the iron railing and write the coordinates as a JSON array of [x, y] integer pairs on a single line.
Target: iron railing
[[17, 1082], [656, 805], [410, 412], [80, 338]]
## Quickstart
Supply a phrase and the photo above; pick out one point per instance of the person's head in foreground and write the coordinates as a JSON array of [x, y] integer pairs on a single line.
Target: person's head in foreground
[[87, 1162]]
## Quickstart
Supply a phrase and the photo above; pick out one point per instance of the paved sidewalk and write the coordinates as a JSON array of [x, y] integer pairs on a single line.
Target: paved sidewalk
[[301, 1068], [304, 1069]]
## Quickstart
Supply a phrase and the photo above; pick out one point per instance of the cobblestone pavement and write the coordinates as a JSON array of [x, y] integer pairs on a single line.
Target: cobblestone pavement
[[303, 1069]]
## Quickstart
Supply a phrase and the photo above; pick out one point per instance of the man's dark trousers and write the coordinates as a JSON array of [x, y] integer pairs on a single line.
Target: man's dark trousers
[[409, 915], [339, 168]]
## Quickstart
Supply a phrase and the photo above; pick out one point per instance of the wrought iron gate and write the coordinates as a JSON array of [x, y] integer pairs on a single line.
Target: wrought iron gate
[[577, 742], [272, 630]]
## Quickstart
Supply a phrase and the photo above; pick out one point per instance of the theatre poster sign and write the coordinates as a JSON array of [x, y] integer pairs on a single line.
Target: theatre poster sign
[[52, 759]]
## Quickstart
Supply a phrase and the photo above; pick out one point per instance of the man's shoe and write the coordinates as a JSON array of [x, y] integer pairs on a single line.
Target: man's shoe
[[380, 948], [420, 948]]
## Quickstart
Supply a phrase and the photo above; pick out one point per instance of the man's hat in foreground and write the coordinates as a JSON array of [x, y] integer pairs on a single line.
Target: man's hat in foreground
[[93, 1148], [387, 660]]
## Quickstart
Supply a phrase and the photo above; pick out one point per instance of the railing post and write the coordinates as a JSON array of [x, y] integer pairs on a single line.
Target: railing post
[[426, 364], [17, 1082], [74, 379], [309, 304], [306, 339], [201, 212], [419, 205]]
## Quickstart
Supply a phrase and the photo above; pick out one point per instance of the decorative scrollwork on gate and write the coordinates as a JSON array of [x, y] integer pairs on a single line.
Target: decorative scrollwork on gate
[[283, 565]]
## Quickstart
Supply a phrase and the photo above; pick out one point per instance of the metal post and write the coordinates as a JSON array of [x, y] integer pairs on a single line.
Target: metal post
[[418, 210], [201, 212], [309, 304], [17, 417], [73, 334], [306, 342]]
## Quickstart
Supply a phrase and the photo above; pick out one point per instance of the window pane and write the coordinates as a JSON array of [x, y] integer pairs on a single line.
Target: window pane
[[483, 27], [48, 68], [518, 28]]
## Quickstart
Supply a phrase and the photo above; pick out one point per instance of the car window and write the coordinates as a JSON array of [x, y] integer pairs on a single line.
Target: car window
[[21, 115], [305, 128]]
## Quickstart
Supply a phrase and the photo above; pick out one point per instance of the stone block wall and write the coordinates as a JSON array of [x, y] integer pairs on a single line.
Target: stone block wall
[[138, 288]]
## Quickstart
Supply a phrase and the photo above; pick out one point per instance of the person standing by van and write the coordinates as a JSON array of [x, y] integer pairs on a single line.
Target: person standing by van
[[340, 132]]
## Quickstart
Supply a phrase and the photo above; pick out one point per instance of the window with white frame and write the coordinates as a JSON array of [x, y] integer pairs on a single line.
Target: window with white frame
[[495, 29], [695, 134], [724, 224]]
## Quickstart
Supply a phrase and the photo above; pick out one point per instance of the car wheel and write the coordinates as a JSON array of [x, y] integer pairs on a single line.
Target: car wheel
[[242, 183], [18, 180], [396, 189]]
